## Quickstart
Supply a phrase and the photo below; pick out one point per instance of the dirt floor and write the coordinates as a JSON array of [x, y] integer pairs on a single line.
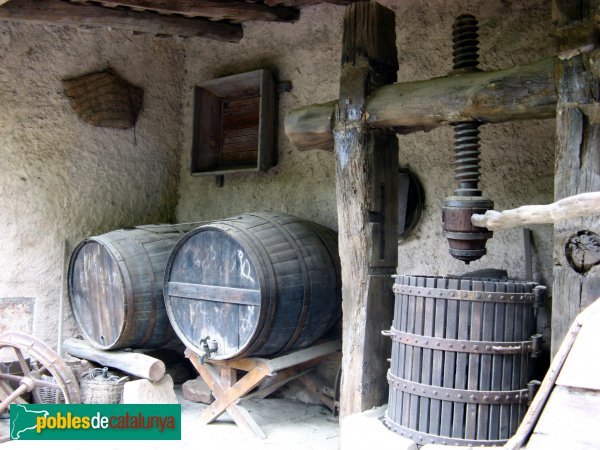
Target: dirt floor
[[288, 424]]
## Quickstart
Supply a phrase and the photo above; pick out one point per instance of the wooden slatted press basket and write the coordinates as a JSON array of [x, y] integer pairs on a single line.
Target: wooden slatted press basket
[[461, 358]]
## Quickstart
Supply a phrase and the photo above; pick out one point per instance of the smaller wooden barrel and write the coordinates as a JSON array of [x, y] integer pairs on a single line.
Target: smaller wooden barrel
[[460, 363], [259, 284], [115, 286]]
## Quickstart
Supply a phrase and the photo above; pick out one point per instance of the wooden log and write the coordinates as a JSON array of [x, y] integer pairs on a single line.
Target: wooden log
[[580, 205], [64, 13], [238, 11], [577, 164], [137, 364], [366, 189], [519, 93], [311, 127]]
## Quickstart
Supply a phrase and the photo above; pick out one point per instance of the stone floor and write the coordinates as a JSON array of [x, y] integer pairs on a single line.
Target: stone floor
[[288, 424]]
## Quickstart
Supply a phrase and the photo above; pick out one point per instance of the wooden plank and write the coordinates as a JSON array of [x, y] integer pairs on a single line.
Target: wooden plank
[[302, 356], [137, 364], [417, 356], [496, 364], [577, 166], [65, 13], [236, 11], [366, 192], [569, 420], [543, 393], [452, 311], [507, 363], [474, 363], [461, 372], [521, 92], [435, 417], [219, 294], [582, 368], [426, 367], [487, 334], [408, 355]]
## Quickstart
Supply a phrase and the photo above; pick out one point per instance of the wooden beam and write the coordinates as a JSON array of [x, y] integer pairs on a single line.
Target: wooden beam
[[519, 93], [137, 364], [366, 163], [580, 205], [300, 3], [64, 13], [238, 11], [577, 165]]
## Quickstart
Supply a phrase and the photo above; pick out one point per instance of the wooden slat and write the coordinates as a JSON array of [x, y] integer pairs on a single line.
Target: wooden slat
[[449, 361], [487, 334], [426, 367], [219, 294], [461, 373], [417, 357], [435, 418], [474, 363], [408, 355], [64, 13]]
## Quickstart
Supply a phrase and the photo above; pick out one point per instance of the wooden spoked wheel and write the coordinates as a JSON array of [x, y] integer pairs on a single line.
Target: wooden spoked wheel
[[43, 373]]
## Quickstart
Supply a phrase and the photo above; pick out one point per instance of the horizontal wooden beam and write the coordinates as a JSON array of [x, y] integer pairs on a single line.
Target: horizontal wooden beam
[[300, 3], [64, 13], [221, 294], [518, 93], [238, 11]]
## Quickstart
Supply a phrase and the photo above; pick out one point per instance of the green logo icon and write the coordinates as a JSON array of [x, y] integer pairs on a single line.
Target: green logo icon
[[95, 422]]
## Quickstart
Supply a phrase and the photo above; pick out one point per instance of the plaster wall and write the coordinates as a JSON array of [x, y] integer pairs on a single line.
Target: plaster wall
[[517, 158], [63, 179]]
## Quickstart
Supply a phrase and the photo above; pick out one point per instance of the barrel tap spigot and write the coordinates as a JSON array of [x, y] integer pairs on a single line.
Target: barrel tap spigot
[[208, 346]]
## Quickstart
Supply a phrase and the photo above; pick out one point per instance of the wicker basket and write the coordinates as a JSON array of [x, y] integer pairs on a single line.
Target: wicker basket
[[50, 395], [98, 386]]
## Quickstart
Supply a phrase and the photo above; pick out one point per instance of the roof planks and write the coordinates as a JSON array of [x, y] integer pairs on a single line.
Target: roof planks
[[65, 13]]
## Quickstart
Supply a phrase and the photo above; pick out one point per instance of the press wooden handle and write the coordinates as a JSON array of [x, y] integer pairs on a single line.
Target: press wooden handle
[[587, 204]]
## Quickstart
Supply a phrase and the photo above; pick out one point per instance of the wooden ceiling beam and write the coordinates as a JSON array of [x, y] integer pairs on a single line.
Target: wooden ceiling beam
[[59, 12], [300, 3], [238, 11]]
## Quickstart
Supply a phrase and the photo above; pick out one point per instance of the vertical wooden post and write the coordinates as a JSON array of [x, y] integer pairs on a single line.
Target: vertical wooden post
[[576, 241], [366, 189]]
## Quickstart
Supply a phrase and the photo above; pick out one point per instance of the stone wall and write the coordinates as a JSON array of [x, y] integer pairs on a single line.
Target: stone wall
[[63, 179]]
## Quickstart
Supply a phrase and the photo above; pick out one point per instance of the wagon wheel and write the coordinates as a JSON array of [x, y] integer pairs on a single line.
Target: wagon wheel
[[47, 363]]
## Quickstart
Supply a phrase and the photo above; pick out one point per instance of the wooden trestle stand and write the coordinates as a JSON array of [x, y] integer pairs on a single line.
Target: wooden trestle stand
[[221, 378]]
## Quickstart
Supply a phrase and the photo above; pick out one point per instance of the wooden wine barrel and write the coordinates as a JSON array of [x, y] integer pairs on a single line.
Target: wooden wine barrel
[[461, 359], [115, 286], [258, 284]]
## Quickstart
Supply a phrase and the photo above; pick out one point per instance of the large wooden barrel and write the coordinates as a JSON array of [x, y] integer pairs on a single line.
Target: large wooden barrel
[[258, 284], [115, 286], [460, 363]]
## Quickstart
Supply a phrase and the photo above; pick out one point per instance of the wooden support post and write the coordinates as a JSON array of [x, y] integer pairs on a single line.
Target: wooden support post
[[366, 189], [577, 163]]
